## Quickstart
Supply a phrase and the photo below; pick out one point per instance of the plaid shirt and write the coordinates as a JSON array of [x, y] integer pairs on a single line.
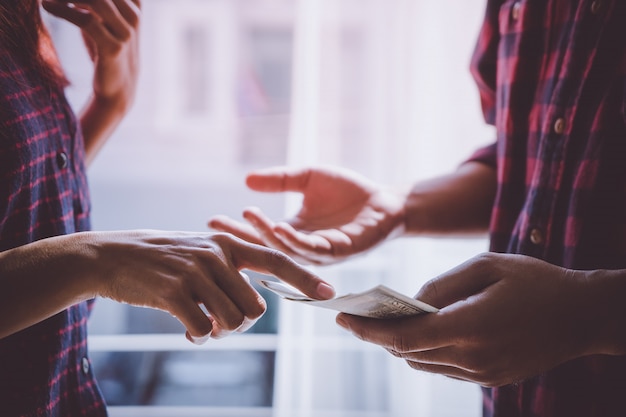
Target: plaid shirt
[[551, 75], [44, 370]]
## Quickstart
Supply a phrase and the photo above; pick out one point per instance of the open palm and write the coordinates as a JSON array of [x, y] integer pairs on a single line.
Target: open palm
[[342, 214]]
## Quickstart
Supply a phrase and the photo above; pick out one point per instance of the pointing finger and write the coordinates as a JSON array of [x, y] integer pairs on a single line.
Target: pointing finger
[[270, 261]]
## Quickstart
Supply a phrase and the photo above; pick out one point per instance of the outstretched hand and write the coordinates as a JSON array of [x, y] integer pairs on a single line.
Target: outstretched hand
[[342, 214], [193, 276], [503, 318], [179, 272]]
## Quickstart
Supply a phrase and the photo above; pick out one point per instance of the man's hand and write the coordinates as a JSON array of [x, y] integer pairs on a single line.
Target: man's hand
[[503, 318], [342, 214]]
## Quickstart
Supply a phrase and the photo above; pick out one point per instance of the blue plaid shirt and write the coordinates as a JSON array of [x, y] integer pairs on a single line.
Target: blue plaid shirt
[[44, 370], [552, 79]]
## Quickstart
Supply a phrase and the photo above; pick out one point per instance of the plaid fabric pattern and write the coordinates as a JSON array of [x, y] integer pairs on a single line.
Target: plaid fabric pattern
[[552, 79], [44, 370]]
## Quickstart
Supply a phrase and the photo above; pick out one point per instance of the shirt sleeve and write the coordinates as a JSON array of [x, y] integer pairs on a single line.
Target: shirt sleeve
[[486, 155], [483, 65], [484, 71]]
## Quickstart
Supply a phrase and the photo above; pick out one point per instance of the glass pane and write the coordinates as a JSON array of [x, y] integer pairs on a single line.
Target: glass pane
[[359, 381], [264, 95], [219, 379], [197, 68]]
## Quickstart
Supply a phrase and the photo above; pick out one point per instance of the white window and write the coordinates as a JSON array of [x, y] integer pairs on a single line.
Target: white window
[[379, 86]]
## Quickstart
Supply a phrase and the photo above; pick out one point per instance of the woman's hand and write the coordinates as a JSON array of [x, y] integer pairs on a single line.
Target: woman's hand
[[182, 273], [179, 272], [110, 30], [342, 214]]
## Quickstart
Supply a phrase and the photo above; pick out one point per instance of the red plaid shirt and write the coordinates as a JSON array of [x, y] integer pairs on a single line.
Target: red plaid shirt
[[552, 79], [44, 370]]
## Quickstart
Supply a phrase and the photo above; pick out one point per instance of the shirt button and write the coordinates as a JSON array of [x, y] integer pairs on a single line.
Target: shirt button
[[536, 237], [515, 10], [85, 363], [62, 160], [559, 126], [596, 6]]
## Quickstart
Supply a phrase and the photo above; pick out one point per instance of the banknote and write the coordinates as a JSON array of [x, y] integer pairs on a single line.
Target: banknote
[[379, 302]]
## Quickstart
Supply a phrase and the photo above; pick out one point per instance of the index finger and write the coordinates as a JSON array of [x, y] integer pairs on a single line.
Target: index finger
[[278, 179], [228, 225], [270, 261], [131, 10], [410, 334]]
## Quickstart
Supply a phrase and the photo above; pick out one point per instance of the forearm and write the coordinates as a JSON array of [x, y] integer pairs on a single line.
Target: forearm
[[460, 202], [98, 120], [41, 279]]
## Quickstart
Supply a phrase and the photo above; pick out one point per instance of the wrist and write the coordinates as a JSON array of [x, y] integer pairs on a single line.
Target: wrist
[[99, 119], [41, 279], [112, 108], [406, 213], [456, 203], [394, 203], [606, 290], [75, 258]]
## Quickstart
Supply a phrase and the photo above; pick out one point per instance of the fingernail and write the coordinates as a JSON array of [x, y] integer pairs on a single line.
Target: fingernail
[[325, 290], [200, 340]]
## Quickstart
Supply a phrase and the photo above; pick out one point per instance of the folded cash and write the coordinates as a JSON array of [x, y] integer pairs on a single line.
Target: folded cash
[[379, 302]]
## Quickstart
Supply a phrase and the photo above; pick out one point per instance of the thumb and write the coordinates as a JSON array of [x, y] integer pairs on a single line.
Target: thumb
[[459, 283]]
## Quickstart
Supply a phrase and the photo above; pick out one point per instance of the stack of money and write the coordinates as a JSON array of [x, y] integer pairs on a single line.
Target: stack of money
[[379, 302]]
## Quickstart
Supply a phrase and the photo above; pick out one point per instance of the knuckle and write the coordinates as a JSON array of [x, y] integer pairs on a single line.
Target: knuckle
[[415, 365], [133, 18], [125, 36], [360, 333], [204, 328], [172, 290], [223, 239], [87, 21], [278, 256], [278, 259], [394, 353], [430, 289], [233, 321], [117, 48], [485, 260], [259, 309], [399, 344]]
